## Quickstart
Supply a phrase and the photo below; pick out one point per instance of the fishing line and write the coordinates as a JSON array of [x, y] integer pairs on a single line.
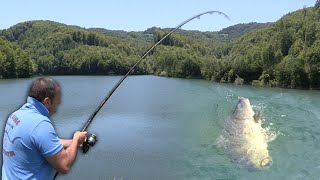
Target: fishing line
[[92, 139]]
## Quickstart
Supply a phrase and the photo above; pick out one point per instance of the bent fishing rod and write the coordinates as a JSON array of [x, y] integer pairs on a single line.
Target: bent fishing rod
[[91, 140]]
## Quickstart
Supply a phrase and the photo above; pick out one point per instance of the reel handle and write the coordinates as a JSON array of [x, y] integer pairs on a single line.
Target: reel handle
[[90, 141]]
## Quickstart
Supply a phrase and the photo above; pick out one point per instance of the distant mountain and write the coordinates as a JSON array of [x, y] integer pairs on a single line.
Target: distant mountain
[[238, 30], [225, 35], [137, 36]]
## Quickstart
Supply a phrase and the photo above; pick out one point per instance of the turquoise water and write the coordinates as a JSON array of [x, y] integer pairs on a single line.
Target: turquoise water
[[166, 128]]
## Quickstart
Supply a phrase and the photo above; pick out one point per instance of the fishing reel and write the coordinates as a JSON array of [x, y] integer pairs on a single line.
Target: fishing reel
[[90, 141]]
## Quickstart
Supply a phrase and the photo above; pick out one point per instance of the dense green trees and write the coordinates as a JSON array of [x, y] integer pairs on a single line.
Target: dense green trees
[[285, 53], [61, 49], [14, 62]]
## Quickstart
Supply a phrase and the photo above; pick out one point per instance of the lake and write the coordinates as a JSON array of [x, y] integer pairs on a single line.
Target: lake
[[167, 128]]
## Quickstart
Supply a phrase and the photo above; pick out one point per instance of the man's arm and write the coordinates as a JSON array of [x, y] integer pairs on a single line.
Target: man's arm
[[63, 160], [65, 142]]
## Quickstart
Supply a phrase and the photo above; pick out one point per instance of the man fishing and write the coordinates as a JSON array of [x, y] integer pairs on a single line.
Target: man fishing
[[31, 147]]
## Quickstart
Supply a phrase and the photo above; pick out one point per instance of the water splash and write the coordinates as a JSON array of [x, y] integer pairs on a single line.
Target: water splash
[[246, 141]]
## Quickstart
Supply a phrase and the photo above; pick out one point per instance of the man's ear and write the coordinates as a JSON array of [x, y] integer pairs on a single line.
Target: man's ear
[[46, 102]]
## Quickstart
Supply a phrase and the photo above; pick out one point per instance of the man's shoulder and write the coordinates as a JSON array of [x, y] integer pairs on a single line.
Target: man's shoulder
[[27, 119]]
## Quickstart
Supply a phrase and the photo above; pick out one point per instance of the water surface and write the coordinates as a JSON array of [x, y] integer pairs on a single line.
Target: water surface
[[166, 128]]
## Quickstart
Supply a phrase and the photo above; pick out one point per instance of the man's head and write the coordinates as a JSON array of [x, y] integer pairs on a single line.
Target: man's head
[[48, 92]]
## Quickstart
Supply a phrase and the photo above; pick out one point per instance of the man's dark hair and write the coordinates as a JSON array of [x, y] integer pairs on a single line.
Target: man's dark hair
[[42, 88]]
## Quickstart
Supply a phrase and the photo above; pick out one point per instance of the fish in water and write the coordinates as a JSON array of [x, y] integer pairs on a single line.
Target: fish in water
[[243, 139]]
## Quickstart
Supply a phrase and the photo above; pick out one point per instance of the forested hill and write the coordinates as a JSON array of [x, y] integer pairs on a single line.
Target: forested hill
[[284, 53], [60, 49], [57, 48]]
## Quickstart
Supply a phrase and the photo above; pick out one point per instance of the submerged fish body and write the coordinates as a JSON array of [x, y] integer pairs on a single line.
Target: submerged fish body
[[243, 138]]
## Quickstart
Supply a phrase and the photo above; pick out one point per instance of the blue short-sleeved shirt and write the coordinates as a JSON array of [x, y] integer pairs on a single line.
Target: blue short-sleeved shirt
[[29, 138]]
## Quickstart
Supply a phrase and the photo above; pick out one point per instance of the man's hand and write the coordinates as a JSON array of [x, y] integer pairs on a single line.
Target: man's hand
[[80, 137]]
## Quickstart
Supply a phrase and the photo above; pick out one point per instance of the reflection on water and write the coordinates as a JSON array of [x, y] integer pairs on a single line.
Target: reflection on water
[[166, 128]]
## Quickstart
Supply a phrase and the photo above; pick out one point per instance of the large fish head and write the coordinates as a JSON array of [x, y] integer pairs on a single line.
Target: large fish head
[[243, 109]]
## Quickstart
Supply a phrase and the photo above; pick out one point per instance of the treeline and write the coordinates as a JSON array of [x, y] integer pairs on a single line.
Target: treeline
[[285, 53]]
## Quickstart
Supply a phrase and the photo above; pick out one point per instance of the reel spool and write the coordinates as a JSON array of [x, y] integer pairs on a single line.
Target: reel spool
[[90, 141]]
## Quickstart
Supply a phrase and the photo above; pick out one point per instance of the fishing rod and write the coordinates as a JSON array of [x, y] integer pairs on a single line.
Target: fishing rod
[[91, 140]]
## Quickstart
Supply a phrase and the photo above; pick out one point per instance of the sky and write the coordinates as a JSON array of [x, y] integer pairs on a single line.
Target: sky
[[138, 15]]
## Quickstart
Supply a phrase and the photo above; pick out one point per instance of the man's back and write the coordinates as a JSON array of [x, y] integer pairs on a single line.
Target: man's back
[[28, 140]]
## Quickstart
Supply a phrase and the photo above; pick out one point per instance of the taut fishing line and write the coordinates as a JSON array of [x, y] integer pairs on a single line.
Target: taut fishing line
[[91, 140]]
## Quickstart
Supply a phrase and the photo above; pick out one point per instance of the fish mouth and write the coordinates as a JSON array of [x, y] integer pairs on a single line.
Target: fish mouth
[[266, 162], [244, 101]]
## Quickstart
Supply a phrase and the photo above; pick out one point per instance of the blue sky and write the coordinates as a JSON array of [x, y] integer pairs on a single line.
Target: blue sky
[[138, 15]]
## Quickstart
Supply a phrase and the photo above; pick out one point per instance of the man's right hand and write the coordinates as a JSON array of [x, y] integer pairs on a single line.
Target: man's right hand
[[80, 137]]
